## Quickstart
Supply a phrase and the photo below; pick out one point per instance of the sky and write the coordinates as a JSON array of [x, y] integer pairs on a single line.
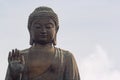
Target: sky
[[90, 29]]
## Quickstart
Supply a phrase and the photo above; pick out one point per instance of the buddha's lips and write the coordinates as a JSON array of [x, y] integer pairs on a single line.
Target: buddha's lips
[[43, 35]]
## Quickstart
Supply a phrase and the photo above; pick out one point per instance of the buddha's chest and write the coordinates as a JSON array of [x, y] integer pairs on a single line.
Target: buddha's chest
[[40, 63]]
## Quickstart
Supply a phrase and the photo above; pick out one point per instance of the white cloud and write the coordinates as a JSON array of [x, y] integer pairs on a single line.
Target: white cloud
[[97, 66]]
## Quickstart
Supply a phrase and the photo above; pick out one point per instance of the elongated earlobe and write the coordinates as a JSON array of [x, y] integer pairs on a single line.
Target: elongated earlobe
[[54, 41], [31, 40]]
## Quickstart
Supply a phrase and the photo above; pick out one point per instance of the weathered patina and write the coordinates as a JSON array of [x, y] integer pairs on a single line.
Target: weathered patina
[[42, 61]]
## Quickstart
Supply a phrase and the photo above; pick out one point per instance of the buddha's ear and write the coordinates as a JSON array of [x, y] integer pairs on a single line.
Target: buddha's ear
[[31, 40], [54, 40]]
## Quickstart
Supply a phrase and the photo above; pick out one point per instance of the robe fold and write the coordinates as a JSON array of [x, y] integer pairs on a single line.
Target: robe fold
[[63, 67]]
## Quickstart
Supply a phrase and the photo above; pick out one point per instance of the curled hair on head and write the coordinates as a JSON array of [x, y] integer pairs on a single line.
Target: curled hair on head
[[39, 12]]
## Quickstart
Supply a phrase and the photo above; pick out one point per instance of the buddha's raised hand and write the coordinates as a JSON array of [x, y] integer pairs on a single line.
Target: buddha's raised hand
[[16, 61]]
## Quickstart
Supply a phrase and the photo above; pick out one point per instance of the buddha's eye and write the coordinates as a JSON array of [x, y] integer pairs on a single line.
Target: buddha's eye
[[37, 26], [49, 25]]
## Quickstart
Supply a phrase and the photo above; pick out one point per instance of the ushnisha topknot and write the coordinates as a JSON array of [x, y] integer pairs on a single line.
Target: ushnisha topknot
[[43, 11]]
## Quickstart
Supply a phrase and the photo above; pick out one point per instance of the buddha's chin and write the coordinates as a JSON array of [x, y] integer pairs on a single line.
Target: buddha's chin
[[43, 42]]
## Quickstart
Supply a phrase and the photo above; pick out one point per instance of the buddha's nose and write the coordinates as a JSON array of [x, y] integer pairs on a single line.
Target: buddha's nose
[[43, 30]]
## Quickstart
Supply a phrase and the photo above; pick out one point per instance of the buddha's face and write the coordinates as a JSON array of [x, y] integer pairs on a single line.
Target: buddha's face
[[43, 30]]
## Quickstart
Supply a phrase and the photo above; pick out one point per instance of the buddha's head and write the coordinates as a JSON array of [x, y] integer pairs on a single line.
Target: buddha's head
[[43, 26]]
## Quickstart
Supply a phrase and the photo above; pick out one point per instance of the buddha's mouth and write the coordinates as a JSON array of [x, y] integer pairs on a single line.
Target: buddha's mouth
[[43, 35]]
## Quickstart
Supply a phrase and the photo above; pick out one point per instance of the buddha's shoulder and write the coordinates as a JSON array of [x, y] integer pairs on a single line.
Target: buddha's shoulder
[[64, 52]]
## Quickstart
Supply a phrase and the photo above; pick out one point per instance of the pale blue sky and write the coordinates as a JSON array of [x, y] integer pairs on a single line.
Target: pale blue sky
[[84, 25]]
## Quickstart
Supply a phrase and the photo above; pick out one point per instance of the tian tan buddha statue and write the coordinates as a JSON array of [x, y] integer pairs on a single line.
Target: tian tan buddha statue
[[42, 61]]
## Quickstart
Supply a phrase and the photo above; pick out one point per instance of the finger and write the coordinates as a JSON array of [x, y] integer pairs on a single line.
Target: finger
[[22, 59], [16, 54], [12, 55], [9, 57]]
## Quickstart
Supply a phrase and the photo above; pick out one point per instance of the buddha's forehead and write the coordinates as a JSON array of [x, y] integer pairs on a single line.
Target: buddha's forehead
[[43, 20]]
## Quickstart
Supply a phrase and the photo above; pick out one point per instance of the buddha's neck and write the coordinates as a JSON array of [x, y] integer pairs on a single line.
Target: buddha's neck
[[46, 46], [43, 49]]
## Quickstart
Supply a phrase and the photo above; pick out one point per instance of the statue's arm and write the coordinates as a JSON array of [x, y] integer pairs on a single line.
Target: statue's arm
[[8, 75], [11, 75], [15, 65], [71, 70]]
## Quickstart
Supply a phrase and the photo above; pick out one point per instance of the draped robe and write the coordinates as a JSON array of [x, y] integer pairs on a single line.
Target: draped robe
[[63, 67]]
